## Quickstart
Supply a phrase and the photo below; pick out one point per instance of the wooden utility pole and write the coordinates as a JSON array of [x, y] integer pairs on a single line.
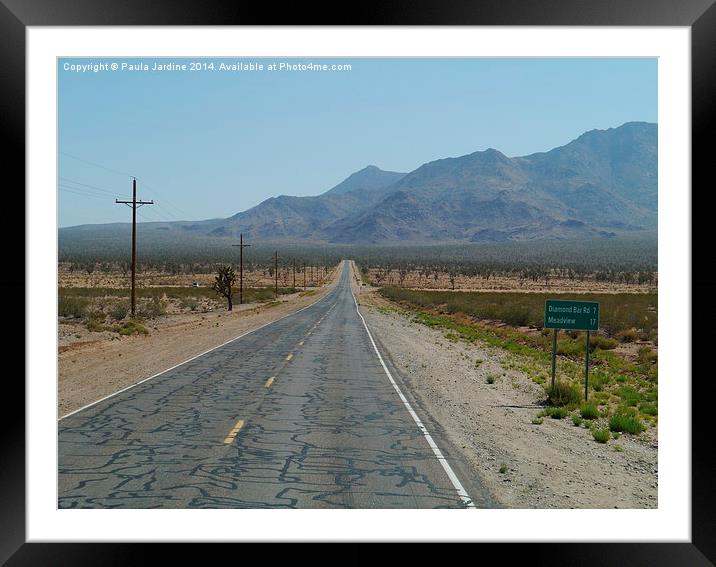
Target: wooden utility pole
[[135, 205], [275, 271], [241, 246]]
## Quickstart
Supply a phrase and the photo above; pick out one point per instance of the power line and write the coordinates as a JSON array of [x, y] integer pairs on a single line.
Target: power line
[[104, 190], [122, 173], [144, 181], [82, 194], [163, 197]]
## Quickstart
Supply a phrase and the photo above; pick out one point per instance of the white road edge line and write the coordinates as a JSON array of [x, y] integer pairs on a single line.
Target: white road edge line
[[462, 493], [190, 359]]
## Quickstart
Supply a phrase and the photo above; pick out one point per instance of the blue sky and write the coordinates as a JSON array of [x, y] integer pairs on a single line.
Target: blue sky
[[208, 144]]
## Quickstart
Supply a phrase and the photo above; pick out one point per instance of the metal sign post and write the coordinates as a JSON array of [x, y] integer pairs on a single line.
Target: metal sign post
[[574, 316], [586, 371], [554, 355]]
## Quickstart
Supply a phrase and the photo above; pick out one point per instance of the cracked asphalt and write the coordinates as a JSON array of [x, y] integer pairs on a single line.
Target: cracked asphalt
[[297, 414]]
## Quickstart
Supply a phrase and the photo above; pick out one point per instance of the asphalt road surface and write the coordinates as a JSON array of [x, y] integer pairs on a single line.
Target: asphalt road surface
[[306, 412]]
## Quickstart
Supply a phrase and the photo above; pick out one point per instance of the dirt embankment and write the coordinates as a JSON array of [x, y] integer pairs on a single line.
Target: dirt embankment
[[549, 465], [95, 365]]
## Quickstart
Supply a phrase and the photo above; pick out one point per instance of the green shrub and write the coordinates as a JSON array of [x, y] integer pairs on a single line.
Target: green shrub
[[555, 412], [537, 421], [601, 435], [648, 408], [628, 335], [119, 310], [563, 393], [152, 309], [503, 468], [96, 326], [72, 306], [490, 379], [646, 355], [577, 420], [131, 328], [190, 303], [630, 396], [625, 423], [589, 411], [602, 343]]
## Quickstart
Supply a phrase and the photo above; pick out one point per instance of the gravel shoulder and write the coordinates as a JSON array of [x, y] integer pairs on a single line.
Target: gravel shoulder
[[551, 465], [94, 365]]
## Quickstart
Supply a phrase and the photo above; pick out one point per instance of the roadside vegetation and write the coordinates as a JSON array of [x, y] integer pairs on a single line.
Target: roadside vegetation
[[623, 388], [102, 309], [624, 317]]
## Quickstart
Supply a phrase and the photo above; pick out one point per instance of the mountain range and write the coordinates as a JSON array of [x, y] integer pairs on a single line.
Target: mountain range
[[601, 184]]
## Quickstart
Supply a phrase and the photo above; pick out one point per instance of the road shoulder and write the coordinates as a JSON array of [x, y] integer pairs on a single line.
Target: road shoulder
[[90, 371], [550, 465]]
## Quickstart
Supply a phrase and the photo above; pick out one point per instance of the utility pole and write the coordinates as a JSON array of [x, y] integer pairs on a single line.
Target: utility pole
[[275, 271], [135, 205], [241, 246]]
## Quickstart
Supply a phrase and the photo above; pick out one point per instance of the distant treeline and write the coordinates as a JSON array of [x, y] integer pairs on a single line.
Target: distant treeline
[[608, 259]]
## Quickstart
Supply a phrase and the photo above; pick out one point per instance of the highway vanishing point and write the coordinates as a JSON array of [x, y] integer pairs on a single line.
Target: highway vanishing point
[[305, 412]]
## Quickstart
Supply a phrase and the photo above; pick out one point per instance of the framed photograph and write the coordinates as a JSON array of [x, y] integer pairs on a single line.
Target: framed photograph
[[399, 279]]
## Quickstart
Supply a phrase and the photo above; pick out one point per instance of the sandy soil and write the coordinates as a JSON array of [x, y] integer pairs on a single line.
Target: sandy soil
[[94, 365], [552, 465]]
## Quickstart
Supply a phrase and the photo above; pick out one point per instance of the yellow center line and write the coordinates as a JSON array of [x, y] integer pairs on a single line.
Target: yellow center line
[[234, 431], [269, 382], [290, 356]]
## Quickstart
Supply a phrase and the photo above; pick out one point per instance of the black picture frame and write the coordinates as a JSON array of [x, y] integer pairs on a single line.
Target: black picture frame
[[699, 15]]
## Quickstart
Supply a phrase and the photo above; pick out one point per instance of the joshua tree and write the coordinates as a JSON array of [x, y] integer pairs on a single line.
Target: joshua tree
[[224, 282]]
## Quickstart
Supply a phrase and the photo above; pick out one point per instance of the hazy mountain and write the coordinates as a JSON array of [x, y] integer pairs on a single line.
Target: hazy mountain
[[601, 184], [367, 179], [305, 217]]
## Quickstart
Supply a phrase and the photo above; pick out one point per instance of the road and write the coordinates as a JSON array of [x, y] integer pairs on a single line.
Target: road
[[306, 412]]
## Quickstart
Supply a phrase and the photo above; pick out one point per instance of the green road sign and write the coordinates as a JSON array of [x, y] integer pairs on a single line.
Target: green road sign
[[573, 315]]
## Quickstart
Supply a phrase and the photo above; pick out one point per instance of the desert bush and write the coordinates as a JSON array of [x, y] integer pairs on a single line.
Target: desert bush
[[190, 303], [646, 355], [601, 342], [601, 435], [563, 393], [589, 411], [132, 328], [648, 408], [630, 396], [152, 309], [625, 423], [627, 335], [72, 306], [119, 310], [558, 413]]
